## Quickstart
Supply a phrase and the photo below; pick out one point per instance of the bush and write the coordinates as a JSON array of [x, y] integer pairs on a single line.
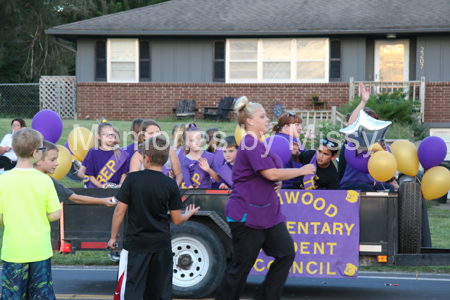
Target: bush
[[393, 107]]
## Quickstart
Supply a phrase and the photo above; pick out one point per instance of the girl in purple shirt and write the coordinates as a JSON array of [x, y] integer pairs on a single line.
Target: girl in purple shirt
[[106, 164], [198, 166], [253, 209], [171, 168], [289, 126]]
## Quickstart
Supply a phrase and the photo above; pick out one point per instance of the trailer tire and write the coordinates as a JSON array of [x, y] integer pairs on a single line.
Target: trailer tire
[[199, 260], [409, 217]]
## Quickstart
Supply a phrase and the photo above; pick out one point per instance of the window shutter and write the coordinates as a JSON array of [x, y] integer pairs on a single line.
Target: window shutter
[[100, 61], [335, 60], [144, 61], [219, 61]]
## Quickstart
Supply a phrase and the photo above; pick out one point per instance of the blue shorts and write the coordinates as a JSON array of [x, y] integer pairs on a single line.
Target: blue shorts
[[27, 280]]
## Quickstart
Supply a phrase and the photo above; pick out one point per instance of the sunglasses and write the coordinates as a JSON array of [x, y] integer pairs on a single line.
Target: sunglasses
[[290, 114], [37, 149], [328, 143]]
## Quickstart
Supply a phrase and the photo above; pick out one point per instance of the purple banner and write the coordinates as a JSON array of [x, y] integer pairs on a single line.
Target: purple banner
[[325, 228]]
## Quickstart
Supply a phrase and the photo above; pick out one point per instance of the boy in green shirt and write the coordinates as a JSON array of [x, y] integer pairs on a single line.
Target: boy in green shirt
[[28, 203]]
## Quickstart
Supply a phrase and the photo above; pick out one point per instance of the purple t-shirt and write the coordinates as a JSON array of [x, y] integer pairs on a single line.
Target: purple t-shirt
[[97, 160], [292, 164], [252, 193], [189, 167], [130, 149], [225, 173]]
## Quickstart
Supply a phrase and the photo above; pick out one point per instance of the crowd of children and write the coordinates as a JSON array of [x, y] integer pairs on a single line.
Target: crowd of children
[[149, 173]]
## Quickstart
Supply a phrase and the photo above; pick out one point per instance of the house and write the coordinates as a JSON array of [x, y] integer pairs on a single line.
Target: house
[[140, 62]]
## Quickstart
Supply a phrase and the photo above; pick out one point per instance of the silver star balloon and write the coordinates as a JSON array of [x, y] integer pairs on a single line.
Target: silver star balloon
[[366, 130]]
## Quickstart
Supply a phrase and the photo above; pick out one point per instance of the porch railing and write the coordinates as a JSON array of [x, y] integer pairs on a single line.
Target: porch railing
[[414, 88], [312, 118]]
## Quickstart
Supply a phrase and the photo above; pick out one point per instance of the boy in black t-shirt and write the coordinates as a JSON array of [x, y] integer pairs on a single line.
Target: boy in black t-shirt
[[147, 195], [326, 176]]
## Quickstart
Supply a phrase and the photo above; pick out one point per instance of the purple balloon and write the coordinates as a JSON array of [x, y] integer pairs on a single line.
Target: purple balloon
[[49, 124], [280, 146], [67, 146], [432, 151], [360, 162]]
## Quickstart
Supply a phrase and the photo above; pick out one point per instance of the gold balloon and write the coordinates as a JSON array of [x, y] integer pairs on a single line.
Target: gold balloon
[[435, 183], [239, 133], [382, 166], [375, 147], [406, 155], [80, 141], [64, 163]]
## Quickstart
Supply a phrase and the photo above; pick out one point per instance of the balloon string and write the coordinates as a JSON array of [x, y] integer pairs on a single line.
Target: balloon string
[[418, 179]]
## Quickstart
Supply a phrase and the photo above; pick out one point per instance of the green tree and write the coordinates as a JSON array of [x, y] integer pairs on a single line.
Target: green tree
[[27, 53]]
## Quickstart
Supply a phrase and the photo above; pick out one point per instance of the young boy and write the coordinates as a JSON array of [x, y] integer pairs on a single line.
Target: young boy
[[147, 195], [28, 203], [326, 176], [47, 165]]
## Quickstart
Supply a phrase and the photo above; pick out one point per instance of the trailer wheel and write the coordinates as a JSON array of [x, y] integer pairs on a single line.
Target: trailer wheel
[[198, 260], [409, 217]]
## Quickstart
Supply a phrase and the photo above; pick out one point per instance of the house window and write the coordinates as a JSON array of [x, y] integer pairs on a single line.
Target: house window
[[100, 61], [335, 60], [277, 60], [123, 60], [144, 60], [219, 61]]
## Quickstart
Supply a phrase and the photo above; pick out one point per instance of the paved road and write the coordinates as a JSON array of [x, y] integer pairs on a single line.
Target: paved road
[[90, 283]]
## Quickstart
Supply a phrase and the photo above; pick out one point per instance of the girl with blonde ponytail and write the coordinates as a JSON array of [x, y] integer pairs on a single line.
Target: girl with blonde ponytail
[[253, 209]]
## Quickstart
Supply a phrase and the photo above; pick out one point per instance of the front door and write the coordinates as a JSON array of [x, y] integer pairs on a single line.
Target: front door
[[391, 60]]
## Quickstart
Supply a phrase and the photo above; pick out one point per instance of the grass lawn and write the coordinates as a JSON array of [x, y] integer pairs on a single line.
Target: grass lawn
[[439, 218]]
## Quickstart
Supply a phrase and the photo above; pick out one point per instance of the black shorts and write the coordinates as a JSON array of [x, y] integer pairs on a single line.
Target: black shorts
[[149, 275]]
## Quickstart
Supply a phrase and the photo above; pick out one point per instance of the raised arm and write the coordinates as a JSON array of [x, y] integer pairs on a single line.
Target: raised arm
[[286, 174], [81, 199], [365, 93]]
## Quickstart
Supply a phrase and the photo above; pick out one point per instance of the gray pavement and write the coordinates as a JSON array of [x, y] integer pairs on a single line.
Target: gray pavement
[[99, 283]]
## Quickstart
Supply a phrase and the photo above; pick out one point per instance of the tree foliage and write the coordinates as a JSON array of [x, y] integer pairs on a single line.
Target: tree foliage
[[27, 53]]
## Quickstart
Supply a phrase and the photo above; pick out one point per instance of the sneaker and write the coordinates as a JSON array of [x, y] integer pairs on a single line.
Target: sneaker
[[114, 256]]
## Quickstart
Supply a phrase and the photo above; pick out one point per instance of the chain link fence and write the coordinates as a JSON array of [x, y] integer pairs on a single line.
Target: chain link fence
[[19, 100], [24, 100]]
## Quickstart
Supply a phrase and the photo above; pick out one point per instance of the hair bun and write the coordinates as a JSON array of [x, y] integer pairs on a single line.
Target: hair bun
[[240, 103]]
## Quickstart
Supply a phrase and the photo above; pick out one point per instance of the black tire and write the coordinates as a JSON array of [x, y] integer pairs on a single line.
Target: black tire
[[409, 217], [199, 260]]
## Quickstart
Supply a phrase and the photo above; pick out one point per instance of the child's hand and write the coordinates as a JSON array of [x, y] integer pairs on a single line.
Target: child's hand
[[203, 163], [223, 186], [278, 186], [190, 187], [7, 148], [112, 243], [191, 210]]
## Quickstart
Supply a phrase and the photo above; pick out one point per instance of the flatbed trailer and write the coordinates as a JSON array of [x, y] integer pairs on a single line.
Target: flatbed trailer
[[390, 234]]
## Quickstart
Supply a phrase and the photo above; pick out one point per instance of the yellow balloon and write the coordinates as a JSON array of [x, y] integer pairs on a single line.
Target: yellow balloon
[[376, 147], [80, 141], [239, 133], [382, 166], [406, 155], [435, 183], [64, 163]]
